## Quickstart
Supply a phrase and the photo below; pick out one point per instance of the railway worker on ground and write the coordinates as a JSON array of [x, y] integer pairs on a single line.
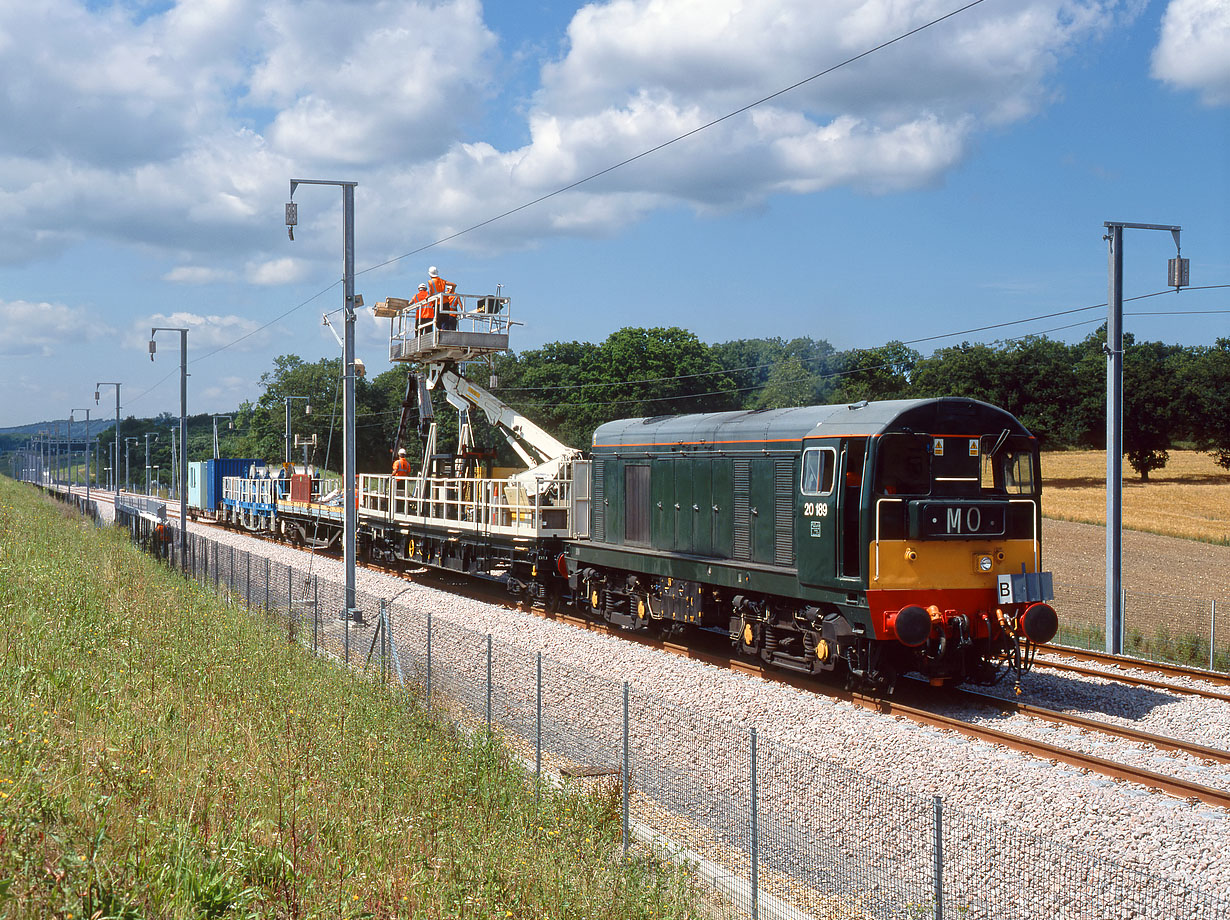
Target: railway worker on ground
[[162, 539], [424, 311], [401, 466], [443, 291]]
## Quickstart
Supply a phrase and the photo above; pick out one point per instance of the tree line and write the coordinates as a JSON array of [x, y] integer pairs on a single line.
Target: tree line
[[1175, 396]]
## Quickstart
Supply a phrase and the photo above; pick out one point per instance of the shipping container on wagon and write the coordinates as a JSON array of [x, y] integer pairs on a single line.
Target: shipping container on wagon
[[205, 480]]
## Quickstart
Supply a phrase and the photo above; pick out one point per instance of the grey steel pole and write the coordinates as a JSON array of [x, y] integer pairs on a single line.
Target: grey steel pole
[[87, 459], [1114, 425], [348, 417], [1212, 630], [488, 683], [755, 841], [183, 443], [938, 866], [429, 630], [115, 465], [183, 433], [1114, 444], [286, 400], [348, 381]]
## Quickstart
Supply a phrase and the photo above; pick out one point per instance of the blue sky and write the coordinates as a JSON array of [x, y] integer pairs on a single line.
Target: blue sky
[[956, 179]]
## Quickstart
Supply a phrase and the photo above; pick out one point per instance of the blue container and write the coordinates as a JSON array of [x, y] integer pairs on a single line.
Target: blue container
[[213, 474]]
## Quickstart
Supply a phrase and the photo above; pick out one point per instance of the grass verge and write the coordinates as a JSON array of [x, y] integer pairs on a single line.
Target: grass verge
[[164, 755]]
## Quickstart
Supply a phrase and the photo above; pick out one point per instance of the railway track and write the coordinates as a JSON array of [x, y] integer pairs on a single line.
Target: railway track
[[1114, 667], [924, 708]]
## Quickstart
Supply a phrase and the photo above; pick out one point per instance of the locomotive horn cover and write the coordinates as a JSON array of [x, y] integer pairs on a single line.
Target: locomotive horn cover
[[1039, 622], [913, 625]]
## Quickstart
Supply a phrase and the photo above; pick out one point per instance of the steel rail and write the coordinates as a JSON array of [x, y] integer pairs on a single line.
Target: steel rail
[[1124, 662]]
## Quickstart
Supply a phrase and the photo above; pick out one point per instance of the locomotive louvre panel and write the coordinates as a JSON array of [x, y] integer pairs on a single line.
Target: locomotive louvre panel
[[598, 507], [783, 512], [637, 517], [741, 547]]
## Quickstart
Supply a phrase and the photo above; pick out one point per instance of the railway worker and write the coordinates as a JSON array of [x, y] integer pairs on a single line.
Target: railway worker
[[424, 310], [401, 466], [443, 291], [162, 539]]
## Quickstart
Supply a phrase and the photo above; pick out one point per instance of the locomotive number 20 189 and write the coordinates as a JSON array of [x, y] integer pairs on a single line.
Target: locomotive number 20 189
[[815, 509]]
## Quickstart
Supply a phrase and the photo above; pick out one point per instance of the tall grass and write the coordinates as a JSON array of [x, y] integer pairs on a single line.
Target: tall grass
[[164, 755]]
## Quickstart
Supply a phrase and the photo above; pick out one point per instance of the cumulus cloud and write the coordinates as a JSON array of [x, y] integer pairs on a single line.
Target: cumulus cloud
[[637, 73], [177, 129], [197, 274], [35, 329], [204, 332], [1193, 51], [276, 271]]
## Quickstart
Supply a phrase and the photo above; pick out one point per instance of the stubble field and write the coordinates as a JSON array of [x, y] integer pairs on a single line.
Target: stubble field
[[1176, 545]]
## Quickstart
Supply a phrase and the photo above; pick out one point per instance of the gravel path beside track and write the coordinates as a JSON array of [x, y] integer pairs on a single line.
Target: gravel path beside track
[[1121, 823]]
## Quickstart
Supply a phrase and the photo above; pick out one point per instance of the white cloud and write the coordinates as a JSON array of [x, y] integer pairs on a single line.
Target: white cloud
[[204, 332], [1193, 51], [276, 271], [196, 274], [637, 73], [177, 130], [30, 329]]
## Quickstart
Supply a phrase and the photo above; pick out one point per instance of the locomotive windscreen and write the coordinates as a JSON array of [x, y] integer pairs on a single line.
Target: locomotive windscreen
[[955, 465]]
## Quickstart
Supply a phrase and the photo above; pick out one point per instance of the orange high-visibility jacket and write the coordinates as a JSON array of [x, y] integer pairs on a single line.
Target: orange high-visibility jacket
[[425, 310], [438, 285], [401, 467]]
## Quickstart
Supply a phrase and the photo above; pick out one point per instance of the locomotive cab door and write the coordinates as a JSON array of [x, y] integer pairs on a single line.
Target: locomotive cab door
[[817, 512]]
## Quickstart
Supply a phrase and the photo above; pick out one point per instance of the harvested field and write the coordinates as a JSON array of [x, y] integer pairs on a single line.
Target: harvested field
[[1189, 497]]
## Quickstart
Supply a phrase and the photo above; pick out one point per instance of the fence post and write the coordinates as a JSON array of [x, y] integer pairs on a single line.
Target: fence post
[[429, 661], [268, 578], [626, 772], [230, 575], [1212, 630], [538, 728], [938, 870], [755, 842], [315, 613], [217, 563], [384, 658], [488, 683], [247, 579]]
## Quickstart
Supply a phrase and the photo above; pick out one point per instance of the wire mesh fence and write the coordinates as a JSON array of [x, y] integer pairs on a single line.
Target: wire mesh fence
[[778, 831]]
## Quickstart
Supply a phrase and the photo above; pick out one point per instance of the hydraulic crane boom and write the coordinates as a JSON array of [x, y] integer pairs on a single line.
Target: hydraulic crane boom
[[540, 451]]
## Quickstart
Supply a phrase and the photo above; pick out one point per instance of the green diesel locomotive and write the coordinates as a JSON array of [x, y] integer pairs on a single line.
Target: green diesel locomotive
[[875, 539]]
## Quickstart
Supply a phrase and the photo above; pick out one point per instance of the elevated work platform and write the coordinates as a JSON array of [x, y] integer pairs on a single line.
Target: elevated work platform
[[446, 327]]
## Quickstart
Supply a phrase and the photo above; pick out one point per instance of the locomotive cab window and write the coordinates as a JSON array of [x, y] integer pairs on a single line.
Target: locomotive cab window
[[904, 465], [818, 467], [1008, 466]]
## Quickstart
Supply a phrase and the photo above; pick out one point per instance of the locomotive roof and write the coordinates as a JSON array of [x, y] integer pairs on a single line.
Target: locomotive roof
[[938, 416]]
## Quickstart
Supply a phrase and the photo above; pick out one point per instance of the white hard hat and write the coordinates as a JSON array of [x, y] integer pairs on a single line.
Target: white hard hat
[[432, 271], [401, 452], [423, 286]]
